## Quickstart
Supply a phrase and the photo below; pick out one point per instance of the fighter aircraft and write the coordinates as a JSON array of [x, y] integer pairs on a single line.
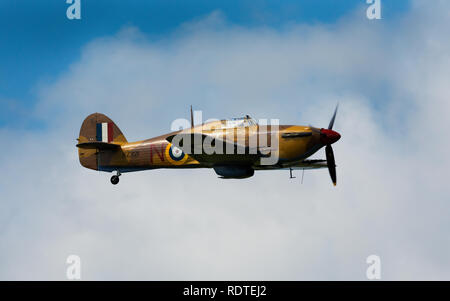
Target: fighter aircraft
[[234, 148]]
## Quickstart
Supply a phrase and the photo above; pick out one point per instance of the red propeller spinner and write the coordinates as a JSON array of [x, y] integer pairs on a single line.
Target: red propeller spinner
[[329, 136]]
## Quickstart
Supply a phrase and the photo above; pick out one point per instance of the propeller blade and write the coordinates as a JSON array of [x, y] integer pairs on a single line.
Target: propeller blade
[[330, 126], [331, 163]]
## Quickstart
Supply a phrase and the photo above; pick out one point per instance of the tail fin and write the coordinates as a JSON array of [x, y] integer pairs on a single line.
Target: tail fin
[[97, 129]]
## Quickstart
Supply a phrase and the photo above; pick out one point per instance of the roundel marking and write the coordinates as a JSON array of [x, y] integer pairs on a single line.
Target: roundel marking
[[175, 155]]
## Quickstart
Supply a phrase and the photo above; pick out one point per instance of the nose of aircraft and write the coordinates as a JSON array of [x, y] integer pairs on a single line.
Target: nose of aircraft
[[329, 136]]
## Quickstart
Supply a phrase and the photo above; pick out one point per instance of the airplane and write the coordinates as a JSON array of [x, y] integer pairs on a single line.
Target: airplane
[[103, 147]]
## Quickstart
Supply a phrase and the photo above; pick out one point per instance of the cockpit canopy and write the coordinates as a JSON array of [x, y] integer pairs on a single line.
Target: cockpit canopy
[[238, 122], [241, 122]]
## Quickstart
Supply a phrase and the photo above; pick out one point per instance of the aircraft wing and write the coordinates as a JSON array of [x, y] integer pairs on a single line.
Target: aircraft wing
[[202, 148], [305, 164], [310, 164]]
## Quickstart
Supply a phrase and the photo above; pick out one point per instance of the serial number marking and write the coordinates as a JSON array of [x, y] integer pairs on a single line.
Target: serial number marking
[[132, 154]]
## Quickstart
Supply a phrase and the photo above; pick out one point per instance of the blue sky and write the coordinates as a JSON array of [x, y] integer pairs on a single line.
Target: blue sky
[[39, 42]]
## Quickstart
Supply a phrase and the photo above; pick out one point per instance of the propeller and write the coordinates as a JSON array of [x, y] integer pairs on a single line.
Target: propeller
[[328, 137]]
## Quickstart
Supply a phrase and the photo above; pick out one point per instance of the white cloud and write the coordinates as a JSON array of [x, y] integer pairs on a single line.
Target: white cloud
[[391, 79]]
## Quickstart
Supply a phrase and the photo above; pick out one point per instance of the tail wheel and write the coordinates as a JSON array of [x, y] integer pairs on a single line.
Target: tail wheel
[[114, 180]]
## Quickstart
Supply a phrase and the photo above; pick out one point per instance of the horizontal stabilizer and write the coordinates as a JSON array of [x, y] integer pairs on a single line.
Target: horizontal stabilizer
[[98, 145]]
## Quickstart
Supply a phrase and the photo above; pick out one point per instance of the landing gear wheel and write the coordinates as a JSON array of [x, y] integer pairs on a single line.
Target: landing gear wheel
[[114, 180]]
